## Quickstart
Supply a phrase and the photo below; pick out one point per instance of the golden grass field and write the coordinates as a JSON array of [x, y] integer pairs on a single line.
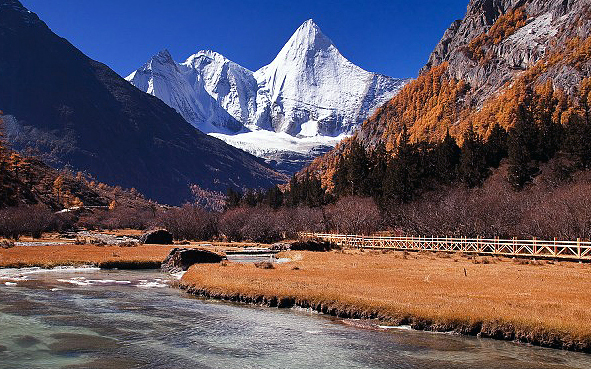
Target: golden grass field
[[543, 299], [68, 253], [54, 255]]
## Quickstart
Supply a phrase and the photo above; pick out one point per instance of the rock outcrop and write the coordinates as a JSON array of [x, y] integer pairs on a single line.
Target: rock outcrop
[[157, 237], [181, 259], [498, 39]]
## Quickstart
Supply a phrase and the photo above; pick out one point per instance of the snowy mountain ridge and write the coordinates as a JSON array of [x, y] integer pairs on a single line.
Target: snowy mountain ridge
[[308, 91]]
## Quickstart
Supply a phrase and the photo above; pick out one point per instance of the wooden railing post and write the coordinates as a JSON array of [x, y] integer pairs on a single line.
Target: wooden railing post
[[579, 247]]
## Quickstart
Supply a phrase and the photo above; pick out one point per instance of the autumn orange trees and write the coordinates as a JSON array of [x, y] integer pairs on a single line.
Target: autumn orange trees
[[427, 106]]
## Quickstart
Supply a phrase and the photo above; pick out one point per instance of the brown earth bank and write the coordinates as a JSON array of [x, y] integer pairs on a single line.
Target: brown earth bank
[[540, 303]]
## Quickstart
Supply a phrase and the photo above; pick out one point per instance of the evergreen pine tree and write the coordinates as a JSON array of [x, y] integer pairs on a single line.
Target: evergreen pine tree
[[358, 170], [379, 165], [314, 192], [233, 198], [577, 140], [447, 157], [292, 197], [250, 198], [549, 131], [473, 168], [339, 178], [523, 144], [496, 146], [274, 197], [401, 180]]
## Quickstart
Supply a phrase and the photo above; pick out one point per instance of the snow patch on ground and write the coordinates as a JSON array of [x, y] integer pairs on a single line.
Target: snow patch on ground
[[262, 142]]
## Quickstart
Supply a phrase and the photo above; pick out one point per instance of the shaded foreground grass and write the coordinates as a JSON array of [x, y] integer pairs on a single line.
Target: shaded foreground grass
[[138, 257], [540, 303]]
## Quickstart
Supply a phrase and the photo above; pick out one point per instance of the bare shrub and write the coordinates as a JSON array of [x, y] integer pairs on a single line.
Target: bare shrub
[[354, 215], [125, 217], [290, 221], [117, 218], [27, 220], [261, 226], [6, 244], [189, 223], [231, 223]]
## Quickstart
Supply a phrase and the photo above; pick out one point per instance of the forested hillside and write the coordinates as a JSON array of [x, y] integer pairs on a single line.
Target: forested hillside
[[502, 104]]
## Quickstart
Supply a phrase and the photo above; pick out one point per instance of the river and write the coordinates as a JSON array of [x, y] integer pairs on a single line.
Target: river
[[90, 318]]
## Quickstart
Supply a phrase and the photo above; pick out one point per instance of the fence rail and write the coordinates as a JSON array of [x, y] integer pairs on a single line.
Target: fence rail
[[571, 250]]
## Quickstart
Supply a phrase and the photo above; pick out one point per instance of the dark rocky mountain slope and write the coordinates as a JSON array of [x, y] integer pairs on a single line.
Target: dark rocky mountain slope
[[77, 112]]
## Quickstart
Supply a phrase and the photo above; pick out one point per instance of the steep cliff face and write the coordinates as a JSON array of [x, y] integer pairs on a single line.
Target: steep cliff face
[[498, 39], [498, 46]]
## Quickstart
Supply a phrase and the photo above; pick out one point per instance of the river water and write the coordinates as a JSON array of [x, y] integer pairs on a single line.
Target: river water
[[88, 318]]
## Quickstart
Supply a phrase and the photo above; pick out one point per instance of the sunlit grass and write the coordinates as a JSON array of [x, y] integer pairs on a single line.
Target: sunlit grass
[[550, 299], [105, 256]]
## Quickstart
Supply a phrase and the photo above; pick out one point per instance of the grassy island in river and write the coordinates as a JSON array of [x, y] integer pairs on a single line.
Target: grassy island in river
[[543, 303]]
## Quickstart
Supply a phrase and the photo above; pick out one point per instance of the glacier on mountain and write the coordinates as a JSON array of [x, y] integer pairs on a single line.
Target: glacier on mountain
[[306, 100]]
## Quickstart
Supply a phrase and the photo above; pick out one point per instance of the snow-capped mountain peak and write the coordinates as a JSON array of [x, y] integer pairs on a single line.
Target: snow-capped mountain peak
[[314, 90], [163, 57], [309, 92], [308, 37]]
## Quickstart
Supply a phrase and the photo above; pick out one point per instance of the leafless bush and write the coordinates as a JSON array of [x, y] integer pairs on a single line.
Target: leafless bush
[[6, 244], [261, 226], [117, 218], [124, 217], [354, 215], [189, 223], [290, 221], [231, 223], [27, 220], [544, 210]]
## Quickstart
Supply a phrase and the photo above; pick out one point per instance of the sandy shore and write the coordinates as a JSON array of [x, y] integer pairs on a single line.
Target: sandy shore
[[542, 303]]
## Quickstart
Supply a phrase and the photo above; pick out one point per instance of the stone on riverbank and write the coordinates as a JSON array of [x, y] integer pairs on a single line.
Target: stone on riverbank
[[157, 237], [181, 259]]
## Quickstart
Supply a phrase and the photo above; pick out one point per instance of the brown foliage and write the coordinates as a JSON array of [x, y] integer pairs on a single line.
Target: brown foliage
[[354, 215], [29, 220], [427, 106], [189, 222]]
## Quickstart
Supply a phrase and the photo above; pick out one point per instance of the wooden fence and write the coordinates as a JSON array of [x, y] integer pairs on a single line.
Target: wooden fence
[[571, 250]]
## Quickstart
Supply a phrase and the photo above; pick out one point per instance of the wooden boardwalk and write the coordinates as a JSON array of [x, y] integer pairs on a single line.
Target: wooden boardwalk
[[569, 250]]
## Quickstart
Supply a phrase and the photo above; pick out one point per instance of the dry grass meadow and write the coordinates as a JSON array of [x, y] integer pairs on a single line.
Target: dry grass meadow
[[546, 299], [63, 251], [104, 256]]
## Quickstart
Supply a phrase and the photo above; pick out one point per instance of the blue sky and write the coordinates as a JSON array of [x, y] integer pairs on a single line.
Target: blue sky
[[391, 37]]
